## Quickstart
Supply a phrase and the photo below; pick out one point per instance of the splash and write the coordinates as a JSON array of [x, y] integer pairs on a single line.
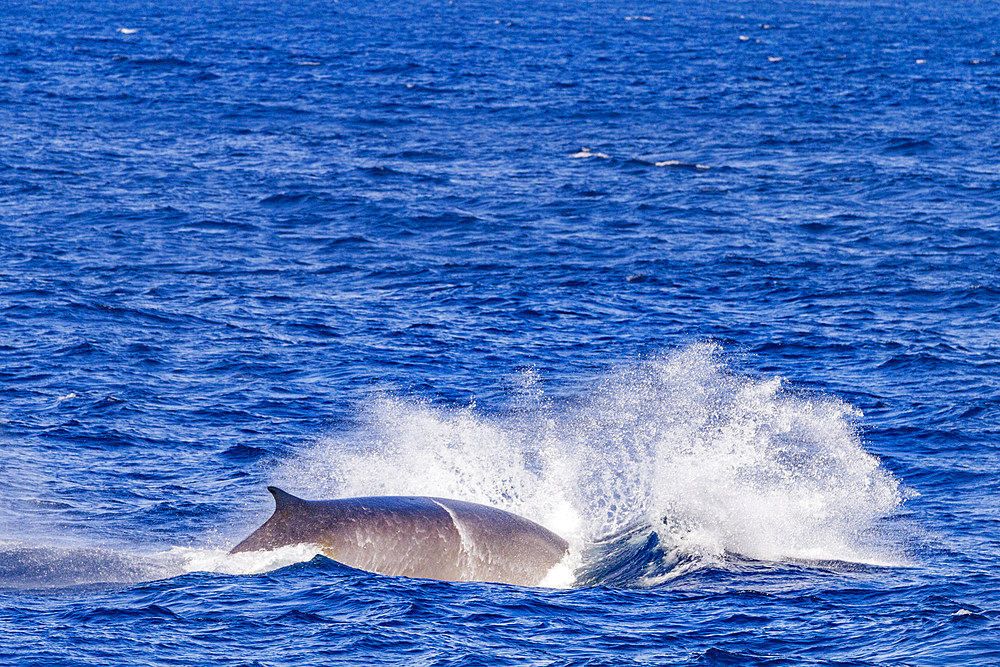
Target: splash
[[658, 469], [46, 566], [711, 461]]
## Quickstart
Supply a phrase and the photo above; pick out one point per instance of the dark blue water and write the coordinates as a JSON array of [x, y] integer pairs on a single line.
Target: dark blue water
[[710, 289]]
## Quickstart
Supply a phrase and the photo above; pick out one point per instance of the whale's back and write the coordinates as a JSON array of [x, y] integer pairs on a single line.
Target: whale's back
[[414, 536]]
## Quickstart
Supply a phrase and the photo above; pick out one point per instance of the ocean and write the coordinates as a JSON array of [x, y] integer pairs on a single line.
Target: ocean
[[709, 289]]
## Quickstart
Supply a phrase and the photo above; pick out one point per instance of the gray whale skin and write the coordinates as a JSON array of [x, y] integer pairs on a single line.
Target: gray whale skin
[[414, 536]]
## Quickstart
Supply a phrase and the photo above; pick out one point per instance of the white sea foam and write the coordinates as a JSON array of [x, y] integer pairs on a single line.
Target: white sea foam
[[563, 573], [678, 163], [587, 153], [185, 559], [714, 461]]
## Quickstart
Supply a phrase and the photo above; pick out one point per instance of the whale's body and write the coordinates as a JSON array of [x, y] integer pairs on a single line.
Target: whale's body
[[414, 536]]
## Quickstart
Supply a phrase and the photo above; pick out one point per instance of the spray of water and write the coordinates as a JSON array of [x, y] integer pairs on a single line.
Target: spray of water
[[713, 462], [659, 468]]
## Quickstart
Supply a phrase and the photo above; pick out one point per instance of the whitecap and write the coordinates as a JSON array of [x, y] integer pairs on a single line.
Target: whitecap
[[586, 153]]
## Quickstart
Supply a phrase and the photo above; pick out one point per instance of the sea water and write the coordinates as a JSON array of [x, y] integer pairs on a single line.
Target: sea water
[[710, 289]]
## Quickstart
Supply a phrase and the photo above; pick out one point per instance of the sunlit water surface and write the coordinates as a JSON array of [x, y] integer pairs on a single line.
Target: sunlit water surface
[[709, 289]]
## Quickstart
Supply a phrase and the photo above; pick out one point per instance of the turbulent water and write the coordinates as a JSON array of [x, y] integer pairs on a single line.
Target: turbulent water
[[709, 289]]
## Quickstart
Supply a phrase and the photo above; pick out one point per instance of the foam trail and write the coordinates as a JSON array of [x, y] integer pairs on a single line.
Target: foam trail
[[714, 462]]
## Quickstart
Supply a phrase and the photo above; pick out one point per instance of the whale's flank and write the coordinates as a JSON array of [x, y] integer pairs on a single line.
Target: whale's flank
[[413, 536]]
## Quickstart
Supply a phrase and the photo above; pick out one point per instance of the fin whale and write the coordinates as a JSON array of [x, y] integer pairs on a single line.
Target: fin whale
[[414, 536]]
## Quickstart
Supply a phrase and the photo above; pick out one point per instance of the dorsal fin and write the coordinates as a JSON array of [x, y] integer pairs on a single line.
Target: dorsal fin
[[283, 500]]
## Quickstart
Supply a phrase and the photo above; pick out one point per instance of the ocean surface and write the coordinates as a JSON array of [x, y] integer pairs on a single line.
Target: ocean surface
[[710, 289]]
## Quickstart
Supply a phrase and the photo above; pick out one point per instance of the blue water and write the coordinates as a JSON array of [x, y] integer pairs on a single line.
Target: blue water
[[711, 289]]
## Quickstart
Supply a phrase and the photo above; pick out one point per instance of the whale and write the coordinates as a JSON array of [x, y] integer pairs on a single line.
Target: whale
[[414, 536]]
